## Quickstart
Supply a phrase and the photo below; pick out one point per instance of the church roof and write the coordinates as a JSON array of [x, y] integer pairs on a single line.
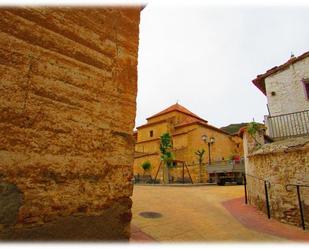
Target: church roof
[[179, 108], [191, 121]]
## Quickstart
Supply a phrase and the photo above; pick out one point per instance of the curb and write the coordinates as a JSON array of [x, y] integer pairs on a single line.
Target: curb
[[176, 185]]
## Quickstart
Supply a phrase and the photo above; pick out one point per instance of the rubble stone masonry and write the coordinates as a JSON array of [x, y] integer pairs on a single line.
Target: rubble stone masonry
[[68, 83], [280, 163]]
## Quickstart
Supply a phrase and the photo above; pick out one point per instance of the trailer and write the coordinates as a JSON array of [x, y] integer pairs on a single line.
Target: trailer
[[226, 171]]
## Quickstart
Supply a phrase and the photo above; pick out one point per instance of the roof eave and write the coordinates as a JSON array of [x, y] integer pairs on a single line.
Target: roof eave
[[259, 81], [151, 124], [260, 84]]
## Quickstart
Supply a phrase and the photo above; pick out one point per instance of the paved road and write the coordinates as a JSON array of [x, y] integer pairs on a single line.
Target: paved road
[[192, 214]]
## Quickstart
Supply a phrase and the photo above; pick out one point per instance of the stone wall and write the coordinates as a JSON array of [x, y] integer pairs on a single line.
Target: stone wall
[[154, 160], [68, 83], [280, 163], [198, 174], [290, 95], [175, 173]]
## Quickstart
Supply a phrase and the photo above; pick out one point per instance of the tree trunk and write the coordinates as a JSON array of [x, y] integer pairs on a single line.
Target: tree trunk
[[165, 174], [200, 176]]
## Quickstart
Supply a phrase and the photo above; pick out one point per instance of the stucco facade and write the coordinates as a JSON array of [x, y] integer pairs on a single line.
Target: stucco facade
[[288, 89], [68, 84], [186, 130]]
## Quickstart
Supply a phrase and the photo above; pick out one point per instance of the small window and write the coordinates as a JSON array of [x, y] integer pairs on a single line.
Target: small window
[[237, 145], [151, 133], [306, 86]]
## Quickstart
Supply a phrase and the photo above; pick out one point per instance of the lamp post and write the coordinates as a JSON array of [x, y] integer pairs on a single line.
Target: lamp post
[[209, 141]]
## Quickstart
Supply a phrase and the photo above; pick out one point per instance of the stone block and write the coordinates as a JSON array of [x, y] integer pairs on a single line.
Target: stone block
[[68, 89]]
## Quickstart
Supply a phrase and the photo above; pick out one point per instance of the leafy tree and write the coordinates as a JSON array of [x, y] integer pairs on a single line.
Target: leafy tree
[[253, 128], [166, 154], [165, 147]]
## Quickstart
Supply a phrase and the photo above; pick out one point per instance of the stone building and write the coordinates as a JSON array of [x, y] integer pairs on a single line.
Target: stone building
[[68, 83], [186, 129], [277, 160]]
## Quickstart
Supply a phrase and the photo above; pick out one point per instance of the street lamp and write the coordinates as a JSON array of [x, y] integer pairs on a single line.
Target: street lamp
[[209, 141]]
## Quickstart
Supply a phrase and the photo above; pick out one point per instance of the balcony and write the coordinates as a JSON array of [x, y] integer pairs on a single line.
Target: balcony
[[288, 125]]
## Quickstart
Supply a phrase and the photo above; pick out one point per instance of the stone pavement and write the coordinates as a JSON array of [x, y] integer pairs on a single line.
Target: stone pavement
[[204, 214]]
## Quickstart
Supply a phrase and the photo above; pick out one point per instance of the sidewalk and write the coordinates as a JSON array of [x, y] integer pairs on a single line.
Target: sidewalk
[[256, 220]]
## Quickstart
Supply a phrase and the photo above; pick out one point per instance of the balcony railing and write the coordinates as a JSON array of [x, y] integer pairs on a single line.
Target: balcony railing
[[288, 125]]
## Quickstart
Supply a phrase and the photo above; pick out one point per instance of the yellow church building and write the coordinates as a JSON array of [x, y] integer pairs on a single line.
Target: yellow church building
[[187, 131]]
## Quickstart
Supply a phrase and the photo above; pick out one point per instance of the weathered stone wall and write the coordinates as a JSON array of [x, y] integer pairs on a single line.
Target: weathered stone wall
[[175, 173], [290, 95], [280, 163], [154, 160], [198, 174], [68, 82]]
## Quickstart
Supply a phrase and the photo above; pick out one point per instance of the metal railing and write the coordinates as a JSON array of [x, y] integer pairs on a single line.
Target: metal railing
[[288, 188], [288, 125], [266, 186], [298, 186]]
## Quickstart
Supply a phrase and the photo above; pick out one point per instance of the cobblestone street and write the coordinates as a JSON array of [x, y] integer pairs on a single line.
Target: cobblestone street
[[203, 213]]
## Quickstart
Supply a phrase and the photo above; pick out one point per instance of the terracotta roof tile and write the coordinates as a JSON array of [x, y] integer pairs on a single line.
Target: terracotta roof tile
[[179, 108], [191, 121], [259, 81]]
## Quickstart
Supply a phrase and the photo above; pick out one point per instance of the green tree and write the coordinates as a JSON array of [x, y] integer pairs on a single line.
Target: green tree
[[253, 128], [165, 149], [166, 154], [200, 157]]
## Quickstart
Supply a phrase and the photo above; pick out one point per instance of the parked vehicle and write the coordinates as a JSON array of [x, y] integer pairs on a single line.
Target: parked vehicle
[[226, 171]]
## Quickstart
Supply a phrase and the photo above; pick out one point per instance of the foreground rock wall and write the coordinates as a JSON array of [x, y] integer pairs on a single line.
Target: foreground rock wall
[[68, 83], [280, 163]]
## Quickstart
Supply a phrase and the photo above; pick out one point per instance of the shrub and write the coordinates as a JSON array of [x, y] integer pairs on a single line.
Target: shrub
[[146, 165]]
